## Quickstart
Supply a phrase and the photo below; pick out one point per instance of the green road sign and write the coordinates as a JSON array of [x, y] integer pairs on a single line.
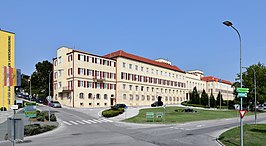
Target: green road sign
[[241, 94], [30, 109], [242, 90]]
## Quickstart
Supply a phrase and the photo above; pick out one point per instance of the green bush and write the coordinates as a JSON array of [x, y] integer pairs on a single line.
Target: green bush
[[37, 129], [40, 118], [52, 117], [111, 112]]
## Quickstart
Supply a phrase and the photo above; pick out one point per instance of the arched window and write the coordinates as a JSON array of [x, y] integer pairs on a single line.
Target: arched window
[[81, 95], [142, 97], [98, 96], [105, 96], [173, 98], [166, 98], [177, 99], [137, 97], [124, 96], [130, 97], [90, 95], [148, 97], [170, 98], [153, 98]]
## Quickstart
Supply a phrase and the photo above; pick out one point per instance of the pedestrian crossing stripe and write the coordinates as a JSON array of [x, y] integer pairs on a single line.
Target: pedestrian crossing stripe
[[91, 121]]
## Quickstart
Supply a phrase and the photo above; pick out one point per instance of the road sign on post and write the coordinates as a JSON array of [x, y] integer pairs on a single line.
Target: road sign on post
[[30, 109], [242, 90], [242, 113], [242, 94]]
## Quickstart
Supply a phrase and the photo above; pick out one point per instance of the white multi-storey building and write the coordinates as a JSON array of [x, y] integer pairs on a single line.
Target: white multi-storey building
[[82, 79]]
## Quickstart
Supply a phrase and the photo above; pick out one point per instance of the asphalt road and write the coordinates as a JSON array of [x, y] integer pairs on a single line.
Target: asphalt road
[[81, 129]]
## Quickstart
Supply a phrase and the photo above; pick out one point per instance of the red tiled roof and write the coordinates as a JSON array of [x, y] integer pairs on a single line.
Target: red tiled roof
[[214, 79], [121, 53]]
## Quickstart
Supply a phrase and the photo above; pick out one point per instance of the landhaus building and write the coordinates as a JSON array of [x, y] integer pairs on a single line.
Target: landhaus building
[[82, 79]]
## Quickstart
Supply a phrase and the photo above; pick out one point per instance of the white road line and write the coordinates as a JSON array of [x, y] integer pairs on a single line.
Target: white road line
[[73, 122], [97, 121], [91, 121], [80, 122], [86, 121], [106, 120], [67, 123]]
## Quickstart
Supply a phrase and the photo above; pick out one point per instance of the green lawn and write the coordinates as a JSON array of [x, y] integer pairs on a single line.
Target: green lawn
[[254, 135], [180, 117]]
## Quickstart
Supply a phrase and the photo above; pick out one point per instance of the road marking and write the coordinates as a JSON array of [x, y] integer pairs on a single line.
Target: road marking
[[73, 122], [86, 121], [199, 125], [91, 121], [80, 122], [97, 121], [67, 123], [105, 120]]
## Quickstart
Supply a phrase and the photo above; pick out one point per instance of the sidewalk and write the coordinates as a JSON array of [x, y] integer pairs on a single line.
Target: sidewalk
[[5, 114]]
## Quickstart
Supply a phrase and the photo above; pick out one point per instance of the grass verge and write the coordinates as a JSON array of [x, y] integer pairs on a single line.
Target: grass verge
[[175, 115], [254, 135]]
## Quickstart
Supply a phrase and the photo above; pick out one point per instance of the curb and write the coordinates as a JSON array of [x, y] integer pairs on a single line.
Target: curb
[[219, 142]]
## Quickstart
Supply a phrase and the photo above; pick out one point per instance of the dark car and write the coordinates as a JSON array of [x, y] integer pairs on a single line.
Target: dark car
[[119, 106], [40, 100], [157, 103]]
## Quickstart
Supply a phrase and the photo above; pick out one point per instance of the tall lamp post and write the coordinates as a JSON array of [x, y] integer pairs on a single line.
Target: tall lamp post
[[230, 24], [49, 94], [255, 88]]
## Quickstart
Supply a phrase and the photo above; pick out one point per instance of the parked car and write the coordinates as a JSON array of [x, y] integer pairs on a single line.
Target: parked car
[[157, 103], [55, 104], [119, 106], [40, 100]]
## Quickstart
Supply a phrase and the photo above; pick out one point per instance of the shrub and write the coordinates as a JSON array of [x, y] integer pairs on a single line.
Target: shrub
[[53, 118], [40, 118], [111, 113], [37, 129]]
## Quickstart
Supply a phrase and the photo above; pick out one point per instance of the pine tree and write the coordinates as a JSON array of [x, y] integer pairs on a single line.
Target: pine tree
[[218, 99], [212, 101], [204, 98]]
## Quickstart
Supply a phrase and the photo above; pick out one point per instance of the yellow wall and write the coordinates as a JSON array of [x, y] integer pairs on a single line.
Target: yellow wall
[[7, 58]]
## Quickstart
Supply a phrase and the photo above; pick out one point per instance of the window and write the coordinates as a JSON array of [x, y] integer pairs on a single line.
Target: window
[[69, 58], [137, 88], [147, 89], [153, 98], [137, 97], [152, 71], [161, 72], [156, 72], [105, 85], [141, 68], [166, 98], [104, 62], [59, 59], [130, 87], [124, 64], [89, 85], [90, 95], [105, 96], [130, 66], [98, 85], [130, 97], [124, 96], [81, 103], [142, 97], [148, 97], [124, 86], [136, 67], [59, 85], [98, 96], [147, 70], [89, 72], [81, 95], [142, 88]]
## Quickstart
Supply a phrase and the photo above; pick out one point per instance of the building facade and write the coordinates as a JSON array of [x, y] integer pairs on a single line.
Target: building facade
[[82, 79], [7, 58]]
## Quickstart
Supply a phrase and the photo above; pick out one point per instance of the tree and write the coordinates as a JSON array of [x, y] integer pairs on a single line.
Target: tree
[[212, 101], [40, 78], [248, 82], [219, 96], [195, 99], [204, 98]]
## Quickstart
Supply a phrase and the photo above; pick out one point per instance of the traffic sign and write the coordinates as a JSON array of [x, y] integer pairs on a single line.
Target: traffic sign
[[30, 109], [241, 94], [242, 90], [14, 107], [242, 113]]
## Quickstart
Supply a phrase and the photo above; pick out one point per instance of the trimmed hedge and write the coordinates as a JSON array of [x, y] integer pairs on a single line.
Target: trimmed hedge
[[112, 112], [37, 129]]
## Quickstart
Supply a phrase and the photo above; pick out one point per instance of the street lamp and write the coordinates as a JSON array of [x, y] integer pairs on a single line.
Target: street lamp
[[255, 87], [49, 95], [230, 24]]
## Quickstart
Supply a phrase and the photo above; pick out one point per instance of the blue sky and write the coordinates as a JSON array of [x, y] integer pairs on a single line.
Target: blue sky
[[189, 33]]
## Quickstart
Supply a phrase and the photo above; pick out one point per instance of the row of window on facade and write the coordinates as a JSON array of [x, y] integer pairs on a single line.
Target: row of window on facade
[[199, 86], [142, 88], [97, 85], [94, 73], [140, 78], [92, 59], [166, 74], [92, 104], [96, 96], [152, 98]]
